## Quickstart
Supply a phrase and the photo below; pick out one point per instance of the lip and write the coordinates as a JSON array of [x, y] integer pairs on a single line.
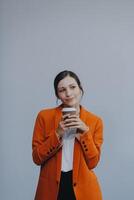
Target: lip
[[69, 99]]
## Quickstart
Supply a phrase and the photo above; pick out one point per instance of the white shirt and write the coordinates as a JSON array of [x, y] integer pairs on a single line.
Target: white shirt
[[68, 150]]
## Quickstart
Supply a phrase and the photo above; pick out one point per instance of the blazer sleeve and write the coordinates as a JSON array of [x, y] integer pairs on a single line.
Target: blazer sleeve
[[91, 144], [44, 146]]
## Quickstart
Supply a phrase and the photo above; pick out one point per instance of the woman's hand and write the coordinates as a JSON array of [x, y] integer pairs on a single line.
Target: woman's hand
[[62, 126], [73, 121]]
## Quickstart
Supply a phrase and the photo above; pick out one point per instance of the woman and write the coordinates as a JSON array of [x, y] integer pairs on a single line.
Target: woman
[[67, 147]]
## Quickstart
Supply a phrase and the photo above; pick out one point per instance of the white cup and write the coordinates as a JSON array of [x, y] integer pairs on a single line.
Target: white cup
[[69, 110]]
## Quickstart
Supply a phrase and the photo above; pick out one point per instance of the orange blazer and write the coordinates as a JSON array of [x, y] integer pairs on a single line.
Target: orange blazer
[[47, 152]]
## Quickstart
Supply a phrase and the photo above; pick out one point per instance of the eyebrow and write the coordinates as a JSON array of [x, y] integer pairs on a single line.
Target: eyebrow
[[68, 85]]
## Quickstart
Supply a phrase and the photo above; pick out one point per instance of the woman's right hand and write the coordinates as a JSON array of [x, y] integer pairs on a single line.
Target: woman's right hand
[[62, 126]]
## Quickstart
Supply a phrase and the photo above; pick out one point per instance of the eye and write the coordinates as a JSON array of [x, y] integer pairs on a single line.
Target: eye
[[62, 90], [73, 86]]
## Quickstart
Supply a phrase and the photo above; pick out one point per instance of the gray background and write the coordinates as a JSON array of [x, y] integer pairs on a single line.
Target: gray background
[[40, 38]]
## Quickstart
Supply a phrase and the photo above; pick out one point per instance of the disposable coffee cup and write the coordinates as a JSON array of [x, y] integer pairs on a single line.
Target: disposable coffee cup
[[69, 110]]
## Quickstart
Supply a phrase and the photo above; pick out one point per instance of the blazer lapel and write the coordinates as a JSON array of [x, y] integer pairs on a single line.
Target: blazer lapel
[[59, 154]]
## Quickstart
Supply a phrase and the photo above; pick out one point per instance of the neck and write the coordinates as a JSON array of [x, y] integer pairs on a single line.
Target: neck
[[77, 108]]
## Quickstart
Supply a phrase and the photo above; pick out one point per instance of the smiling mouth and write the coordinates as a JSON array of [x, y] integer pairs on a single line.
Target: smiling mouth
[[69, 99]]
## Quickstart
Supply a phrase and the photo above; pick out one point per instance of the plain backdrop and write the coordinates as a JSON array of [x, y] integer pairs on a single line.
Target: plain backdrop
[[38, 39]]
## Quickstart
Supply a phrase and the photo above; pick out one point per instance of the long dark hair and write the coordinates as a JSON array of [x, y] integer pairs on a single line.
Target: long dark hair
[[62, 75]]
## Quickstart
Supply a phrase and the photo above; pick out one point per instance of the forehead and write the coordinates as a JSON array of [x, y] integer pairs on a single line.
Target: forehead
[[66, 82]]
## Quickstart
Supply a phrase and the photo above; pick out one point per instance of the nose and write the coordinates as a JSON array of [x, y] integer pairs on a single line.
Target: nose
[[68, 92]]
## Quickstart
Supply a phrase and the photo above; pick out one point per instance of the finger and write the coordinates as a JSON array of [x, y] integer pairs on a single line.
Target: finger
[[72, 127], [69, 121], [72, 119], [62, 125], [72, 124], [74, 115], [65, 116]]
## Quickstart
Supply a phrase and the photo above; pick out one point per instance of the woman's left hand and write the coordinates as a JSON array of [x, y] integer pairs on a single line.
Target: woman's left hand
[[73, 121]]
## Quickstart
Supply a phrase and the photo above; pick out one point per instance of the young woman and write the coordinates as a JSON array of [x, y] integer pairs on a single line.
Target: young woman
[[67, 147]]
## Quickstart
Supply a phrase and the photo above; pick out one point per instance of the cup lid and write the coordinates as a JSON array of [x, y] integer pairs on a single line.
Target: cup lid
[[68, 109]]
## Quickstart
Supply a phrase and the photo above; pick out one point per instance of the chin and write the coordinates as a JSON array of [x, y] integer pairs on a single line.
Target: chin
[[70, 104]]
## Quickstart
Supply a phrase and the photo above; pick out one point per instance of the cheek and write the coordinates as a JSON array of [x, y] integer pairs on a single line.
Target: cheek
[[78, 93], [61, 96]]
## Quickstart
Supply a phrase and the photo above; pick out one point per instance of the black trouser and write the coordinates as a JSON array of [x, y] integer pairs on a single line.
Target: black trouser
[[66, 191]]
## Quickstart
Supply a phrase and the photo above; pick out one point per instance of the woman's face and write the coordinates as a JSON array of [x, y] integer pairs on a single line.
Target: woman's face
[[69, 92]]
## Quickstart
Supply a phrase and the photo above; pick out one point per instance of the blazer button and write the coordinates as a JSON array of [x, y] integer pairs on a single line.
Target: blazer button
[[83, 142], [74, 184], [86, 149]]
